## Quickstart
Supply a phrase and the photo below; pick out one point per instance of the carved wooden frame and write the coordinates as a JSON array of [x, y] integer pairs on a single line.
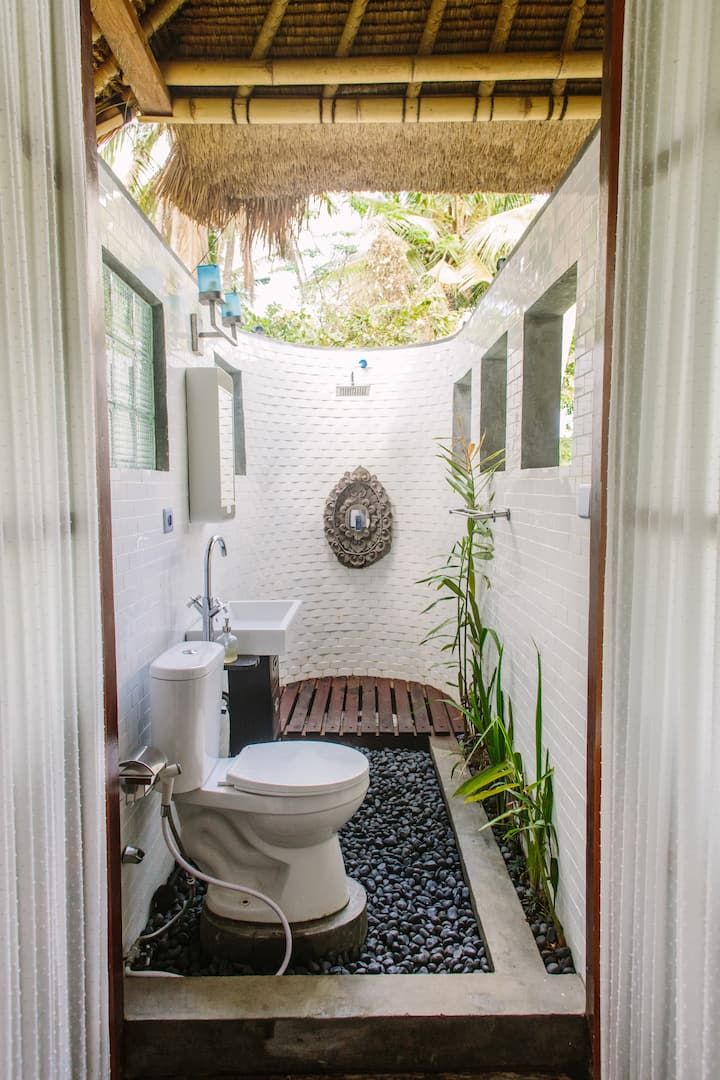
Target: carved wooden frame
[[357, 548]]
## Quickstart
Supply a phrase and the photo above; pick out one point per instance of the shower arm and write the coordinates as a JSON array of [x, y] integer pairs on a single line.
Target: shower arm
[[482, 515]]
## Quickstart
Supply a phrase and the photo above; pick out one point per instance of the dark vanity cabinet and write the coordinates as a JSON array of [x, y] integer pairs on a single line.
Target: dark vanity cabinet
[[254, 700]]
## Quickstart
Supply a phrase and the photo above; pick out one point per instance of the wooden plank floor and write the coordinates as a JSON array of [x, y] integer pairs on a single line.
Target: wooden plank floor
[[366, 706]]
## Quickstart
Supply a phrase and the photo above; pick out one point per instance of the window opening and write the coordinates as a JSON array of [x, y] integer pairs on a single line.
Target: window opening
[[493, 401]]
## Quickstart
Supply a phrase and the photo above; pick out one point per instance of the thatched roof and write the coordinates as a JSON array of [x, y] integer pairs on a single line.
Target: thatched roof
[[213, 170], [263, 141]]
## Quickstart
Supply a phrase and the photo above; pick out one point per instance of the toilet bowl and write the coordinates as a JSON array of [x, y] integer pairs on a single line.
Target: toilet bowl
[[267, 818]]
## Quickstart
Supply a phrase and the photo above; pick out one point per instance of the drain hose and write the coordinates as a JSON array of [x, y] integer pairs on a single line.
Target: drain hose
[[167, 834]]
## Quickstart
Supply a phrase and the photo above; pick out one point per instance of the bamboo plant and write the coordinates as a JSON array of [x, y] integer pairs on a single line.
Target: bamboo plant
[[526, 806], [461, 580]]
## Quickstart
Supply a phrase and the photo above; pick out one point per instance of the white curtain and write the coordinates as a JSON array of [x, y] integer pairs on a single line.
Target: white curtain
[[53, 992], [661, 723]]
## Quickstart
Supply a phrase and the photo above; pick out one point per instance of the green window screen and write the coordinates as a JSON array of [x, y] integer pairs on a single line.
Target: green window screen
[[129, 337]]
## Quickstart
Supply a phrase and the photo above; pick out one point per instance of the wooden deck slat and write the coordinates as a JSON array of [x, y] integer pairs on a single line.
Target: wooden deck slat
[[438, 711], [352, 702], [315, 717], [299, 716], [368, 725], [417, 697], [384, 705], [457, 720], [402, 708], [287, 701], [335, 708], [364, 705]]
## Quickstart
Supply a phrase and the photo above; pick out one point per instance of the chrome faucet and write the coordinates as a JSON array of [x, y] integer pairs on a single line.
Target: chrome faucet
[[209, 605]]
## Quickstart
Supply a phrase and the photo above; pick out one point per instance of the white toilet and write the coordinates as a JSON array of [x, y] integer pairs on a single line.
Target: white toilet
[[267, 818]]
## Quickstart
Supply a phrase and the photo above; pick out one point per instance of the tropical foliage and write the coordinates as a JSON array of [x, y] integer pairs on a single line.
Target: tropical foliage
[[520, 804], [461, 579], [409, 272], [523, 806]]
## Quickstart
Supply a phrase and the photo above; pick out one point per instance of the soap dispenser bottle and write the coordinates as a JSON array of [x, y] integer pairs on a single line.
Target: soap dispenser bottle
[[229, 642]]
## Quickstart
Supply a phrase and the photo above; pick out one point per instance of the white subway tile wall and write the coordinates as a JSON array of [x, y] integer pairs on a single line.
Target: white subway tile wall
[[540, 572], [300, 439]]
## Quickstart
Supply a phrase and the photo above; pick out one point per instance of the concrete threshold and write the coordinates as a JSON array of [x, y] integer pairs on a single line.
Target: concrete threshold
[[518, 1020]]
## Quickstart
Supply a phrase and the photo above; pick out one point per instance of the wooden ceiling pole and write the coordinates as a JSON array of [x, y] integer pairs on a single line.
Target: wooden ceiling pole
[[151, 23], [353, 20], [429, 36], [435, 109], [268, 30], [572, 32], [499, 40], [361, 70]]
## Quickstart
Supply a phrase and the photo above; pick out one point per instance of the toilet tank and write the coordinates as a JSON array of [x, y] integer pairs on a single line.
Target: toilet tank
[[185, 699]]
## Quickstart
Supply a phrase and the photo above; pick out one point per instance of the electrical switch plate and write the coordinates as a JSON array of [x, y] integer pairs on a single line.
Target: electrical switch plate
[[168, 520], [583, 500]]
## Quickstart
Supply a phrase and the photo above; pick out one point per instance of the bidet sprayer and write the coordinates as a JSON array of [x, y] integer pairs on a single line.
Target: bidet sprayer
[[166, 779]]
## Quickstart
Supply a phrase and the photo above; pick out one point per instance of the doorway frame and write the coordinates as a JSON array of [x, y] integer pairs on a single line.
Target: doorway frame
[[603, 363], [608, 196]]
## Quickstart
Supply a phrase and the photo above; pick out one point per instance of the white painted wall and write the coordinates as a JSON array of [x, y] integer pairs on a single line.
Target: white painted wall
[[300, 439], [540, 571]]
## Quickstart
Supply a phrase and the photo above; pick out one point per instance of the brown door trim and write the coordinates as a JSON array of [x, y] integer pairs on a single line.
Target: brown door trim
[[609, 160], [107, 601]]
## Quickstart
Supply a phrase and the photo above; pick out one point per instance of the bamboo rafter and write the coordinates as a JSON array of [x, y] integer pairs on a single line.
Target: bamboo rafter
[[377, 110], [150, 24], [363, 70], [429, 35], [266, 36], [350, 30], [572, 32], [499, 40]]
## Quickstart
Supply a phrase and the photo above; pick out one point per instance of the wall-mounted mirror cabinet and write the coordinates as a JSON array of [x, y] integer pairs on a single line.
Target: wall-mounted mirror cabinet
[[211, 444]]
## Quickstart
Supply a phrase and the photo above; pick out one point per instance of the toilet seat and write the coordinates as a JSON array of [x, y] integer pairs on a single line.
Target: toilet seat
[[296, 768]]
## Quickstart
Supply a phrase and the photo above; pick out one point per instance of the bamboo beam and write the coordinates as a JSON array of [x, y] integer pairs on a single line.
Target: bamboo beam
[[364, 70], [499, 40], [376, 110], [107, 127], [268, 30], [353, 20], [151, 23], [429, 36], [572, 32]]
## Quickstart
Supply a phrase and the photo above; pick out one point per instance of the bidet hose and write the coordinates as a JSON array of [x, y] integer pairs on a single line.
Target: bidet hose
[[182, 862]]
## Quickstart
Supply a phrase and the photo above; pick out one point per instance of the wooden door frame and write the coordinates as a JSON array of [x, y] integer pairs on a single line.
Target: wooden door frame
[[608, 213], [107, 593], [609, 161]]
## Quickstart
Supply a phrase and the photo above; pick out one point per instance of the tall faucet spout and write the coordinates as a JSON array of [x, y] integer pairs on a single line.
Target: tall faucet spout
[[209, 610]]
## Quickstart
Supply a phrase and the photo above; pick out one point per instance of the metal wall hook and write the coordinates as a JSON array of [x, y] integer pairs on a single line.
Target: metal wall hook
[[216, 331]]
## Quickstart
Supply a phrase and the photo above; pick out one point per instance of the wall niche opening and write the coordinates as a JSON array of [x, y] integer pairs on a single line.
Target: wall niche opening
[[462, 414], [548, 383], [493, 402]]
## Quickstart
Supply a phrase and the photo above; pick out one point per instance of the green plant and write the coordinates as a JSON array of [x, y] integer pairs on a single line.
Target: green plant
[[461, 579], [525, 807]]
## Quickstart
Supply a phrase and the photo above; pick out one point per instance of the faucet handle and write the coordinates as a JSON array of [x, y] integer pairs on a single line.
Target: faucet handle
[[196, 602], [216, 606]]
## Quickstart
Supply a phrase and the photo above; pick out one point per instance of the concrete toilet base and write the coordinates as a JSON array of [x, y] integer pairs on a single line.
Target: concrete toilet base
[[262, 945]]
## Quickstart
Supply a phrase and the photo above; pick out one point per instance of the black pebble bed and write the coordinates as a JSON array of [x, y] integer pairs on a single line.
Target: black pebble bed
[[556, 957], [401, 847]]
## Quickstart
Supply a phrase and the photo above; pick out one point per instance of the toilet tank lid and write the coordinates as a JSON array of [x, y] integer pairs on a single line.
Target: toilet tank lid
[[296, 768], [188, 660]]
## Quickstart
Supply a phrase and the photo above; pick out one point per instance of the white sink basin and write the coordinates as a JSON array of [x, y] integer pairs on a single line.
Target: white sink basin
[[261, 626]]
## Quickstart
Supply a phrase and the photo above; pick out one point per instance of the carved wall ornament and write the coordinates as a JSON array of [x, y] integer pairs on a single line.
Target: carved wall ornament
[[358, 519]]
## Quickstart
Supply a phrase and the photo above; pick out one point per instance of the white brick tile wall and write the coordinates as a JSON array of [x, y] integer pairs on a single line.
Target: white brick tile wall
[[540, 571], [300, 439]]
